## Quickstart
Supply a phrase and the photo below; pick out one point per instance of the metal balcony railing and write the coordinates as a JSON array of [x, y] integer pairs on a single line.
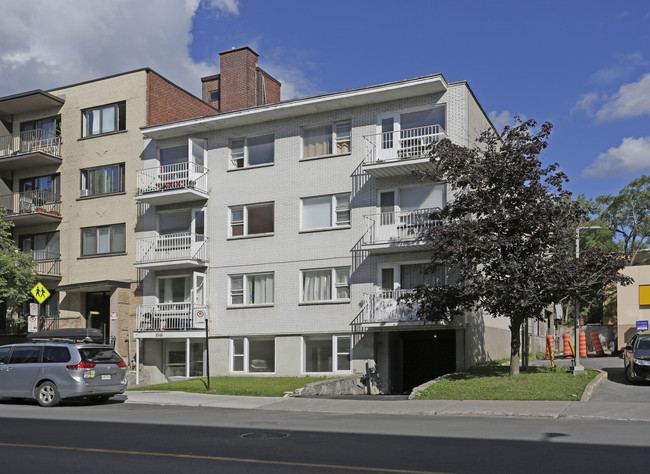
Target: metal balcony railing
[[32, 202], [166, 317], [47, 263], [402, 226], [186, 175], [29, 142], [169, 247], [402, 144]]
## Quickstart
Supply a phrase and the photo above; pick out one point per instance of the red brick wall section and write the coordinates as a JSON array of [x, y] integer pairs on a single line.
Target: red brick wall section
[[167, 102], [206, 88], [237, 76], [272, 88]]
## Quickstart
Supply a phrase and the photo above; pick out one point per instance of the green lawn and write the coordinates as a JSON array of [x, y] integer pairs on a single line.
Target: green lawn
[[491, 381], [247, 386]]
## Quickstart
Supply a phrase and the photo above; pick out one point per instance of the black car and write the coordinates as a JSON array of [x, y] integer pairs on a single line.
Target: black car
[[636, 358]]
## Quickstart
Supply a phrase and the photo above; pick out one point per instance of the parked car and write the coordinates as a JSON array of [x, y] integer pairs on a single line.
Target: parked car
[[57, 367], [636, 358]]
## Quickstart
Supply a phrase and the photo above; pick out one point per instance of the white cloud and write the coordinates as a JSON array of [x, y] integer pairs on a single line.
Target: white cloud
[[625, 65], [631, 156], [503, 118], [631, 100], [46, 44]]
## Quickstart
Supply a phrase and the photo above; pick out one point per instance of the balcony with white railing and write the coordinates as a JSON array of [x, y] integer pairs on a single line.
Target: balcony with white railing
[[383, 308], [399, 152], [161, 252], [397, 231], [47, 264], [170, 317], [32, 207], [30, 149], [180, 182]]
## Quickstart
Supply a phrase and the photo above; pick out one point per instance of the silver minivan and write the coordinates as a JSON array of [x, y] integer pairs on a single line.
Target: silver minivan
[[49, 371]]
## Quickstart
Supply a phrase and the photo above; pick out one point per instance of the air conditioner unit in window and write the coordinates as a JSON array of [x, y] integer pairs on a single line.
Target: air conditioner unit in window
[[84, 193]]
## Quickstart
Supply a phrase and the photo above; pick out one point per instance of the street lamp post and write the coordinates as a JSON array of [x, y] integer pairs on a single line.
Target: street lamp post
[[577, 367]]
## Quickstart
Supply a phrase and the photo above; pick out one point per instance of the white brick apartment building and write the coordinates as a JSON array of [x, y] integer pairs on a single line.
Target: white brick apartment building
[[292, 227]]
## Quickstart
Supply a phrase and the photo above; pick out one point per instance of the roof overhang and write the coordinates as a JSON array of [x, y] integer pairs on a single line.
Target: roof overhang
[[424, 85], [104, 285], [27, 102]]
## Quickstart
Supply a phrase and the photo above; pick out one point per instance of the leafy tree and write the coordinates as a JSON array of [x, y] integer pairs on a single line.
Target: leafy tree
[[627, 215], [17, 275], [508, 234]]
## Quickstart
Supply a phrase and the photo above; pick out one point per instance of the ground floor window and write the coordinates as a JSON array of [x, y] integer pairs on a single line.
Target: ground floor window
[[327, 353], [177, 363], [252, 354]]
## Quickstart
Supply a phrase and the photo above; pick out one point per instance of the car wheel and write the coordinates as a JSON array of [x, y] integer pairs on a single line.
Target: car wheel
[[47, 395], [100, 398], [629, 375]]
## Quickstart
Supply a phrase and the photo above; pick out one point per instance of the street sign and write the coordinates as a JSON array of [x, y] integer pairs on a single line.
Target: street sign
[[199, 318], [33, 309], [642, 325], [32, 324], [40, 293]]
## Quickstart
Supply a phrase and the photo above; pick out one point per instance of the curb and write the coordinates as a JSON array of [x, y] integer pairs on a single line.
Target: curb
[[593, 386]]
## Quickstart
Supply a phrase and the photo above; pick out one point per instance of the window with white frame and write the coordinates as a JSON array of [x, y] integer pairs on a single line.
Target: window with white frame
[[323, 140], [325, 212], [251, 289], [327, 354], [102, 180], [252, 151], [104, 119], [103, 240], [252, 354], [251, 219], [174, 289], [326, 284]]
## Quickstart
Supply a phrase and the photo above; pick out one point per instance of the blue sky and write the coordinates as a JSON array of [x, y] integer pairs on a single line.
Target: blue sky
[[582, 65]]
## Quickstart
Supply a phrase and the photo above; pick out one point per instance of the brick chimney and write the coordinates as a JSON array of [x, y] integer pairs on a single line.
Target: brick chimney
[[241, 83]]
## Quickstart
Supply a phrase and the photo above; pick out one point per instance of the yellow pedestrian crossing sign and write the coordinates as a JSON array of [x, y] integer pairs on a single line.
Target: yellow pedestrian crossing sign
[[40, 293]]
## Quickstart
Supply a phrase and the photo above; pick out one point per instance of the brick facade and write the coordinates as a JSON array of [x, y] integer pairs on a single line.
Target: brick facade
[[167, 102]]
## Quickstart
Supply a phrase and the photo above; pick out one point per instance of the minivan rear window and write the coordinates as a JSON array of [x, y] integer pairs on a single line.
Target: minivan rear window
[[99, 355], [56, 354]]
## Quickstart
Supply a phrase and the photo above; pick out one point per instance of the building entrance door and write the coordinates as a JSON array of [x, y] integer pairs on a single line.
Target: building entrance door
[[98, 306]]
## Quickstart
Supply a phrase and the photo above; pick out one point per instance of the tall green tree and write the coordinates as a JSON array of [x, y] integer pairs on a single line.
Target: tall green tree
[[17, 274], [627, 215], [508, 233]]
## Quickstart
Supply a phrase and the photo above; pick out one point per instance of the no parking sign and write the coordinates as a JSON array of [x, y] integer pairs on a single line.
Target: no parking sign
[[199, 318], [32, 324]]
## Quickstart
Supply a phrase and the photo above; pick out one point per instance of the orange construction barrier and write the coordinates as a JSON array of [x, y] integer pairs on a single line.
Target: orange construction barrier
[[550, 346], [583, 344], [568, 353], [598, 347]]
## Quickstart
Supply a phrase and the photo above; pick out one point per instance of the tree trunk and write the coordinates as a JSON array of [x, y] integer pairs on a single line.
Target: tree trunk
[[515, 345]]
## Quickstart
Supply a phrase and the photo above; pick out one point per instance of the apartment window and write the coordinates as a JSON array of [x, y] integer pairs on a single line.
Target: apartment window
[[326, 284], [215, 95], [252, 151], [325, 212], [412, 275], [43, 246], [251, 219], [327, 354], [326, 140], [175, 289], [102, 180], [104, 119], [252, 289], [252, 354], [103, 240], [51, 126]]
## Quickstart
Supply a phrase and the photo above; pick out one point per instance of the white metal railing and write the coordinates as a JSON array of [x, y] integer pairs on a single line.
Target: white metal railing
[[187, 175], [29, 142], [30, 202], [401, 226], [402, 144], [167, 247], [383, 306], [46, 263], [167, 316]]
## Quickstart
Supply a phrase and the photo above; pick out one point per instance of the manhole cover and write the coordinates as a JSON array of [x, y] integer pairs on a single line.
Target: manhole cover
[[265, 435]]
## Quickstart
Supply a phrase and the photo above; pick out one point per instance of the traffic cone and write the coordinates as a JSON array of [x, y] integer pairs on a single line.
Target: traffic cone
[[568, 353], [598, 347], [583, 344], [550, 345]]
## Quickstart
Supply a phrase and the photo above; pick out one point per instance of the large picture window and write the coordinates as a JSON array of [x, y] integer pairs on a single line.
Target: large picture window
[[327, 354], [252, 289], [251, 219], [252, 151], [325, 212], [323, 140], [252, 354], [327, 284], [104, 119], [103, 240], [102, 180]]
